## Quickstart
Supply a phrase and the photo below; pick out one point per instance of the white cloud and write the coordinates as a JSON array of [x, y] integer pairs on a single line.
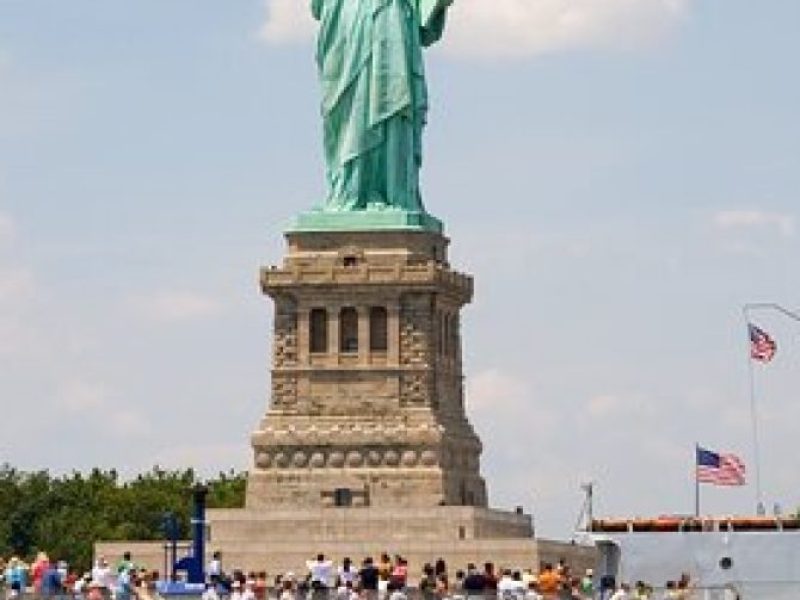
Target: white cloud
[[16, 285], [612, 406], [496, 396], [176, 306], [518, 27], [603, 405], [287, 21], [100, 408], [128, 423], [8, 228], [504, 407], [755, 219], [18, 294], [492, 388], [528, 27], [82, 396], [16, 280], [19, 335]]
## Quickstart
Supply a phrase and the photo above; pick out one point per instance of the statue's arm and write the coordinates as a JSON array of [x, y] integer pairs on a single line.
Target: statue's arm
[[316, 8]]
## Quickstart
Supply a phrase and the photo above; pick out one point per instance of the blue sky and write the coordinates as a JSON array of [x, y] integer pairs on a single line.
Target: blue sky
[[620, 176]]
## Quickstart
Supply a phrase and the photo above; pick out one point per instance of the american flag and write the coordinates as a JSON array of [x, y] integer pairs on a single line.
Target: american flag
[[762, 346], [718, 468]]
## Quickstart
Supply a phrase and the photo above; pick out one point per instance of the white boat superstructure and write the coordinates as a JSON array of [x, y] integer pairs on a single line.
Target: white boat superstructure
[[756, 558]]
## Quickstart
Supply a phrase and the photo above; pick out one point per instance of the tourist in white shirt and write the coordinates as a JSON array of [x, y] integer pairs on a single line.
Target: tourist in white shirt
[[510, 586], [214, 570], [321, 572], [103, 574], [347, 572]]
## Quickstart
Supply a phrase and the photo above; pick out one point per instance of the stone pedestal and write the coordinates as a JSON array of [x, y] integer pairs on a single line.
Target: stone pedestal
[[367, 406], [365, 446]]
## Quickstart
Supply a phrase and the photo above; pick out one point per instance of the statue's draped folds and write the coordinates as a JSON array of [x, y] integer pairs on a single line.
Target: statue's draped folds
[[375, 100]]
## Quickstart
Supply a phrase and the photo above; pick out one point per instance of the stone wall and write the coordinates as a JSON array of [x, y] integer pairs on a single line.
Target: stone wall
[[292, 555]]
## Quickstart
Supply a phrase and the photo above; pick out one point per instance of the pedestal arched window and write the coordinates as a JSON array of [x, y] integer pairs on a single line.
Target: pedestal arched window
[[348, 330], [318, 331], [378, 329]]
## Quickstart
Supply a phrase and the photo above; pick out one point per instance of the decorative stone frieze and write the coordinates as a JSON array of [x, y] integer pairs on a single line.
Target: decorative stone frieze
[[303, 457]]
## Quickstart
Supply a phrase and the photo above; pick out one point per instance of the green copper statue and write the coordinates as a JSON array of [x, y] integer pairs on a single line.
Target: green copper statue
[[375, 101]]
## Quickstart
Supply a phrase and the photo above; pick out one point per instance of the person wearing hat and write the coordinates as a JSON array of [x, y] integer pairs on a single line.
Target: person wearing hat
[[95, 590], [587, 583]]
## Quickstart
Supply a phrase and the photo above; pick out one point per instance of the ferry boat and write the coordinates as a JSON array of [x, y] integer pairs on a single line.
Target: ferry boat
[[726, 557]]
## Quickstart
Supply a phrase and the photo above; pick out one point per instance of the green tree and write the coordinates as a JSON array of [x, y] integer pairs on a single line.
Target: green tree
[[65, 515]]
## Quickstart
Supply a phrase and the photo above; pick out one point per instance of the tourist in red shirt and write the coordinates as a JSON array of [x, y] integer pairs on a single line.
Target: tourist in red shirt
[[39, 566], [400, 573]]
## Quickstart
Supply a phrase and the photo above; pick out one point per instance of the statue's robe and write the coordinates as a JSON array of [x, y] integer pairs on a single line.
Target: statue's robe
[[375, 99]]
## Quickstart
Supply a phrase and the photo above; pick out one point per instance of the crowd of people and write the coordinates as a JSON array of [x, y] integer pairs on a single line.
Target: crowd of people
[[53, 579], [386, 578]]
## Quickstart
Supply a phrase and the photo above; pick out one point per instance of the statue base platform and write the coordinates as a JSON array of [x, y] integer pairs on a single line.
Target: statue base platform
[[283, 540], [371, 219]]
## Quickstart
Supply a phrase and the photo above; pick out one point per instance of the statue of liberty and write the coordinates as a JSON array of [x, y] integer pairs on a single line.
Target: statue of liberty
[[374, 100]]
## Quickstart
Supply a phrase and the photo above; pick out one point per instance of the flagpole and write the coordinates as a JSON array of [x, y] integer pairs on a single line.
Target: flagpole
[[754, 415], [696, 482], [753, 409]]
